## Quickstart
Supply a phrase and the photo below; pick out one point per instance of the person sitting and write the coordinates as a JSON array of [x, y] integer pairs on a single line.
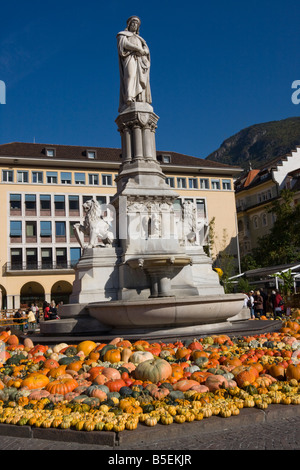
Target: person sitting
[[53, 311]]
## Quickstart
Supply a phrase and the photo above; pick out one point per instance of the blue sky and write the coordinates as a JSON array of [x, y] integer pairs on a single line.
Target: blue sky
[[216, 68]]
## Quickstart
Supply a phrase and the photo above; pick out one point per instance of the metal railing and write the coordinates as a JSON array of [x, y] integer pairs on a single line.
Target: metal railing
[[9, 267]]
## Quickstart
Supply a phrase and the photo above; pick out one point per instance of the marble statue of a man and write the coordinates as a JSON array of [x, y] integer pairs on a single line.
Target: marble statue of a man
[[134, 63]]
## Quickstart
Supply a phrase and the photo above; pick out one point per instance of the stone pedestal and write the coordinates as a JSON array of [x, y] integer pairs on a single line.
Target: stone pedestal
[[96, 276]]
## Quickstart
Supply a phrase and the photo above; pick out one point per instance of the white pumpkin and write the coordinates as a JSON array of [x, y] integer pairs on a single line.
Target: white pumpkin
[[58, 347], [140, 356]]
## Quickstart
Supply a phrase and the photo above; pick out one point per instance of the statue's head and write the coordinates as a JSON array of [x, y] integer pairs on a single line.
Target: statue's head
[[133, 24]]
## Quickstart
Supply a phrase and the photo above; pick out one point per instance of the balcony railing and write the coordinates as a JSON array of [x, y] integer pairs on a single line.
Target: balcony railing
[[23, 267]]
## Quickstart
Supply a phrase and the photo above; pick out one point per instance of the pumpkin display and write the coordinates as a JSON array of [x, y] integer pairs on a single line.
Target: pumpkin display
[[115, 386]]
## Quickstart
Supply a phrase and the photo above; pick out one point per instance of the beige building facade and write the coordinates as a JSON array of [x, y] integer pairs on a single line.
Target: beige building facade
[[42, 190], [256, 190]]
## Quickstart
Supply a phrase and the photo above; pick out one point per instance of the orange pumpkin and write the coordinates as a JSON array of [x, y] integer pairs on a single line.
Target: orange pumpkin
[[76, 366], [115, 385], [94, 372], [111, 373], [112, 356], [185, 384], [182, 352], [56, 372], [293, 372], [246, 377], [61, 386], [94, 355], [277, 371], [38, 349], [125, 343], [51, 364], [12, 340], [35, 380], [4, 335], [86, 347]]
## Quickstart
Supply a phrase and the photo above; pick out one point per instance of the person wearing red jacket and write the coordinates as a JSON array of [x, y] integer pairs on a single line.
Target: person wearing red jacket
[[278, 305]]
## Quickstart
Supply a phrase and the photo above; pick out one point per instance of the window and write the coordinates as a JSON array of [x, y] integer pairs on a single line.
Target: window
[[59, 202], [86, 198], [201, 209], [75, 254], [255, 222], [166, 158], [31, 229], [204, 183], [72, 232], [37, 177], [30, 202], [193, 183], [61, 257], [93, 179], [226, 185], [46, 258], [264, 220], [170, 181], [22, 176], [66, 177], [46, 228], [51, 177], [16, 228], [215, 184], [45, 202], [101, 199], [31, 258], [16, 258], [50, 152], [91, 154], [181, 183], [79, 178], [74, 203], [7, 176], [60, 229], [107, 180], [15, 202]]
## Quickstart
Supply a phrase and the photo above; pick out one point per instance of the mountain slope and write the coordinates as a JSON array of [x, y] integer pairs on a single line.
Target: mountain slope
[[259, 143]]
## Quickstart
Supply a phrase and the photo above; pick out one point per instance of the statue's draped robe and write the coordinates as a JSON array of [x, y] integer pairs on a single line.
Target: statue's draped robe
[[134, 70]]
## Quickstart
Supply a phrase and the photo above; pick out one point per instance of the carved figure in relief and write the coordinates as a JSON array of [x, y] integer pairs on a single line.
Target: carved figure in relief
[[95, 226], [134, 64]]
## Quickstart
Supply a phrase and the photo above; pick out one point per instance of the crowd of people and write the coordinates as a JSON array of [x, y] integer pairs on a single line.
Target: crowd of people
[[260, 303], [31, 317]]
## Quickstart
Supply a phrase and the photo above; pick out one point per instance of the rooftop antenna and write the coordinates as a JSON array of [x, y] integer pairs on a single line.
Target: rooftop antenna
[[34, 140]]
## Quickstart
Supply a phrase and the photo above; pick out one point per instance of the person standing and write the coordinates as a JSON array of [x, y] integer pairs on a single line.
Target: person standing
[[258, 304], [46, 311], [278, 305], [265, 300], [251, 304]]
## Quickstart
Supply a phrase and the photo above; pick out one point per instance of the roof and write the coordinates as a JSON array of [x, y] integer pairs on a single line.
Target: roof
[[103, 154], [262, 173]]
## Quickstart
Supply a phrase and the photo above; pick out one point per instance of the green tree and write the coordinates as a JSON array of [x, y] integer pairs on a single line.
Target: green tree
[[281, 244]]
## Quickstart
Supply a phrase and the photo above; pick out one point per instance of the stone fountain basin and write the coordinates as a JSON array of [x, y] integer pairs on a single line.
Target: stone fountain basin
[[167, 312]]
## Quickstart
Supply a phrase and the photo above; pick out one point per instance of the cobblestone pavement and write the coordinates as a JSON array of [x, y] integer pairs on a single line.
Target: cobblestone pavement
[[283, 434]]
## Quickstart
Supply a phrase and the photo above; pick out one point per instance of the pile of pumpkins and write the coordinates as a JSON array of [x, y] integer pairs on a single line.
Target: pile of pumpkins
[[115, 386]]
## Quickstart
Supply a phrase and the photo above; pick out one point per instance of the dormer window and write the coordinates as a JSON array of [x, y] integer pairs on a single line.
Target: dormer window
[[91, 154], [50, 152], [166, 158]]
